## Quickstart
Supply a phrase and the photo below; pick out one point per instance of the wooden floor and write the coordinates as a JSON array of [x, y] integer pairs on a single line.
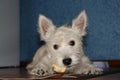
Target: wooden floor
[[21, 74]]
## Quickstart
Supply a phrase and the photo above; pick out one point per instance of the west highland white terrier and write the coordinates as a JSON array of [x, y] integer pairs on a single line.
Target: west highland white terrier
[[63, 48]]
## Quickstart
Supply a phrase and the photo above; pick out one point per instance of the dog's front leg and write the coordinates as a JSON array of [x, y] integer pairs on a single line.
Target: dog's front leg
[[41, 64], [41, 70], [86, 67], [89, 69], [42, 67]]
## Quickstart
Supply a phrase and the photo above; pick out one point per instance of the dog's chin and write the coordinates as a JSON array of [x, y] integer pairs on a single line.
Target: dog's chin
[[71, 67]]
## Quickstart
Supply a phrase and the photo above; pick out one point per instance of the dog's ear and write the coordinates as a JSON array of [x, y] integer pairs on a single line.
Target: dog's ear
[[46, 27], [80, 23]]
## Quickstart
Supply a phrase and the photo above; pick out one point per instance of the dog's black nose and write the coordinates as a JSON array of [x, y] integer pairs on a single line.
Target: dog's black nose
[[67, 61]]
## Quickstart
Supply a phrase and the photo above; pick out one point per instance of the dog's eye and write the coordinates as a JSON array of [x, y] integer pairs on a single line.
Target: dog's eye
[[72, 43], [55, 46]]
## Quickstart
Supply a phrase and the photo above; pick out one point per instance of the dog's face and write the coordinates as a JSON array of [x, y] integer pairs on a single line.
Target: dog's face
[[64, 44]]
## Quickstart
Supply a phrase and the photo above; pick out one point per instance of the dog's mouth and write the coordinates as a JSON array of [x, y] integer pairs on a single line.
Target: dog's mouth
[[71, 66]]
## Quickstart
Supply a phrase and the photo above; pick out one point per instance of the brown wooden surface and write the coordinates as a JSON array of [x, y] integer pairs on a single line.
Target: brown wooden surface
[[114, 63], [21, 74], [108, 77]]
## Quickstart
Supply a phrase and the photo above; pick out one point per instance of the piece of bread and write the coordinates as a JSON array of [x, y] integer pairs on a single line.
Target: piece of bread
[[59, 69]]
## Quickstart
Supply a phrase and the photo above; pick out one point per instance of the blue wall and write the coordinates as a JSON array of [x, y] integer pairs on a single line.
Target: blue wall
[[103, 39]]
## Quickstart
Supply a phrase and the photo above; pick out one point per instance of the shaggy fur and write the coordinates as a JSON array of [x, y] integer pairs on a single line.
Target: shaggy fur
[[62, 43]]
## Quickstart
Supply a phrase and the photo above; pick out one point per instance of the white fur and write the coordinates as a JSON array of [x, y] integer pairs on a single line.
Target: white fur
[[47, 55]]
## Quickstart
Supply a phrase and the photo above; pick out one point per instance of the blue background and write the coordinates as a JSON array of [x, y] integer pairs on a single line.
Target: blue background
[[103, 39]]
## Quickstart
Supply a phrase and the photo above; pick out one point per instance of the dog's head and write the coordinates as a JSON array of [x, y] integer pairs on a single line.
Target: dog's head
[[64, 44]]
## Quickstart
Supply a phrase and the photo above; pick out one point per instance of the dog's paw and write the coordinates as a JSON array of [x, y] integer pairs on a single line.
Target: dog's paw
[[95, 70], [89, 69], [41, 71], [92, 70]]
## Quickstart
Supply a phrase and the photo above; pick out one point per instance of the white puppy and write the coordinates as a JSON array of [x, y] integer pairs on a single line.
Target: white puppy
[[63, 48]]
